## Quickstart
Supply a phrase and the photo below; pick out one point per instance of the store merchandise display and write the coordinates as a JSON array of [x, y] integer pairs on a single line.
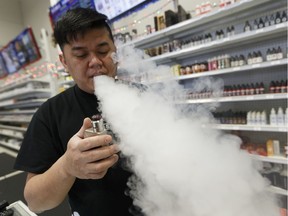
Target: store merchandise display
[[64, 79], [20, 96], [219, 34], [249, 53]]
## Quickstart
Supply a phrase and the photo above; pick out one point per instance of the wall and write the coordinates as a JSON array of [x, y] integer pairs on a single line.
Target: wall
[[10, 20], [15, 15], [36, 14]]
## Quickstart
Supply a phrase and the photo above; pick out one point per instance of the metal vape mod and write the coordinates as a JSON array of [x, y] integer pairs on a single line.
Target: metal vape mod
[[98, 127]]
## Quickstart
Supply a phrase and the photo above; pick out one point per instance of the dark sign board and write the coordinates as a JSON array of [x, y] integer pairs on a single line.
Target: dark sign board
[[114, 8], [60, 8], [18, 53]]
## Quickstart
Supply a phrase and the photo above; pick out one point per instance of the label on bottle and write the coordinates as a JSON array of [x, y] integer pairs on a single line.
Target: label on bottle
[[279, 55]]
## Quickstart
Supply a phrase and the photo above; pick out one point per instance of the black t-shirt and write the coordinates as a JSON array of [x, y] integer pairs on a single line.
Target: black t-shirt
[[49, 131]]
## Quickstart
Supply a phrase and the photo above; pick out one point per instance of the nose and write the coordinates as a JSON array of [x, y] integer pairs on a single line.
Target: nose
[[95, 62]]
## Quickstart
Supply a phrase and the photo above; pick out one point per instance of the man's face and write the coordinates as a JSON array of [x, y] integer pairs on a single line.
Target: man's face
[[89, 56]]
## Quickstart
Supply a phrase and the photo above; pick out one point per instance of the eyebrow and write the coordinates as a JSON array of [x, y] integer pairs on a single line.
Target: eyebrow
[[102, 44]]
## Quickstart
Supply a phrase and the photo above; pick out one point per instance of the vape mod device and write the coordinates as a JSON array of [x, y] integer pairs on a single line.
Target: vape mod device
[[98, 127]]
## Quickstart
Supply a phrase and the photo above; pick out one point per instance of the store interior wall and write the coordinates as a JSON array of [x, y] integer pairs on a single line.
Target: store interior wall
[[11, 22], [16, 15]]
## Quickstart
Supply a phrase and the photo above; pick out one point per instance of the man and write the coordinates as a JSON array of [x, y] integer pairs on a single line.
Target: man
[[54, 152]]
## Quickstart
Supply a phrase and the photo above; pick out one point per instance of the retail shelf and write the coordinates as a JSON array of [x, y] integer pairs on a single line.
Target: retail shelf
[[10, 145], [11, 133], [26, 93], [18, 112], [261, 128], [259, 66], [187, 25], [272, 159], [12, 118], [21, 82], [13, 128], [26, 104], [278, 190], [66, 82], [251, 37], [277, 96]]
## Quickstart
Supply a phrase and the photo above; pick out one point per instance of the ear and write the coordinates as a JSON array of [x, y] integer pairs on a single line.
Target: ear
[[63, 61]]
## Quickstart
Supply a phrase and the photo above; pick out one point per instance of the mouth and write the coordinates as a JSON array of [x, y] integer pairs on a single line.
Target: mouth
[[97, 74]]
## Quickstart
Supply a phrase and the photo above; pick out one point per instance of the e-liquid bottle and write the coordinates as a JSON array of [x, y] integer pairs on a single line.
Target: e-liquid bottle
[[247, 26], [261, 24], [255, 24], [266, 21], [272, 20], [284, 16], [278, 18]]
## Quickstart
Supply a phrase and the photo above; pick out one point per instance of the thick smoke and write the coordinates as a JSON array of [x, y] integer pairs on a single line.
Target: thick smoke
[[181, 168]]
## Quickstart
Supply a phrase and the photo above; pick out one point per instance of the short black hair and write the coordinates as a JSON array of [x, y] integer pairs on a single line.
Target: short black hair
[[76, 22]]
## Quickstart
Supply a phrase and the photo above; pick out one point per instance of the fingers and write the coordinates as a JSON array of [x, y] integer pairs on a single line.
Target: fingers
[[86, 124], [101, 153], [94, 142], [99, 169]]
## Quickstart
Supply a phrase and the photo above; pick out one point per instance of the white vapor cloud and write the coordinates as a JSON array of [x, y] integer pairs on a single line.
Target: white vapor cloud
[[181, 168]]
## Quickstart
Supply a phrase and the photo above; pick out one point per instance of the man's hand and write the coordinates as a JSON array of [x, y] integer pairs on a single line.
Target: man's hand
[[89, 158]]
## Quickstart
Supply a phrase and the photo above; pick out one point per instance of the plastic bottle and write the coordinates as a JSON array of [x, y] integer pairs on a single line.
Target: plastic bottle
[[253, 117], [286, 117], [247, 26], [284, 16], [258, 118], [278, 18], [273, 117], [198, 10], [248, 118], [263, 118], [280, 117]]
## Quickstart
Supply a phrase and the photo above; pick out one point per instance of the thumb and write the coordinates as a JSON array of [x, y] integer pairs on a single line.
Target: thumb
[[86, 124]]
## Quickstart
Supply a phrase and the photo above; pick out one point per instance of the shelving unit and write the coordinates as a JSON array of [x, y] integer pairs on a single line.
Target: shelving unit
[[19, 100], [242, 43], [278, 96], [252, 36], [259, 128]]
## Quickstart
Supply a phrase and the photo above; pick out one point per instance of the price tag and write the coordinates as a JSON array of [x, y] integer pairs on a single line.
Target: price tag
[[235, 128], [257, 128], [255, 65], [226, 39], [283, 129], [281, 25], [250, 98], [226, 98], [270, 96], [259, 30], [236, 68], [275, 62]]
